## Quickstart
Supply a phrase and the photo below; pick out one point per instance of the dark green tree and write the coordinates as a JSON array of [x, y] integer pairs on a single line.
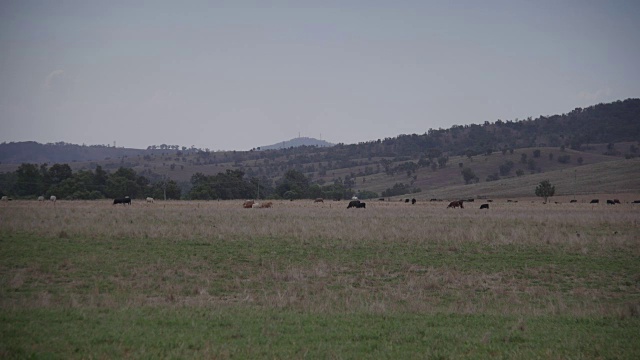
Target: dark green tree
[[295, 181], [29, 181], [468, 175], [442, 161], [59, 173], [545, 190]]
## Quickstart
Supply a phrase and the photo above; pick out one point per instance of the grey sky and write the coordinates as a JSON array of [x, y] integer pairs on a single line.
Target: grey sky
[[232, 75]]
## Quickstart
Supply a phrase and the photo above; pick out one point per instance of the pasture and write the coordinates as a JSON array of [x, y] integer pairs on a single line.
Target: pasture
[[179, 279]]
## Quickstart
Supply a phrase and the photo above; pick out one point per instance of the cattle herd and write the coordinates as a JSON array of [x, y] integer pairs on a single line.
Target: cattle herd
[[354, 203]]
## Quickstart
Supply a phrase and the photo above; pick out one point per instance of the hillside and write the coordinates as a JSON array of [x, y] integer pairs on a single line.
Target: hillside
[[494, 153], [297, 142], [33, 152], [608, 177]]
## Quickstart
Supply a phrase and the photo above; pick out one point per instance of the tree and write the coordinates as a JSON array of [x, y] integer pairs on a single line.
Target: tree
[[59, 173], [545, 190], [442, 161], [28, 180], [468, 175], [294, 181], [506, 167]]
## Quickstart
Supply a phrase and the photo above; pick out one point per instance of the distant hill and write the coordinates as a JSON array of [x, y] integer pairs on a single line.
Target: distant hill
[[33, 152], [297, 142], [501, 155]]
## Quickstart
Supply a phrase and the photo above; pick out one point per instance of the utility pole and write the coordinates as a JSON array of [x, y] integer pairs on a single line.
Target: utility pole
[[575, 176], [165, 188]]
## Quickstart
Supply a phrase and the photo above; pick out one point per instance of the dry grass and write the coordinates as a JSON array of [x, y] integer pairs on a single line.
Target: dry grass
[[517, 258]]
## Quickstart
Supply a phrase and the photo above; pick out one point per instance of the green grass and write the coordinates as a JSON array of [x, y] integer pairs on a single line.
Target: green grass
[[253, 333]]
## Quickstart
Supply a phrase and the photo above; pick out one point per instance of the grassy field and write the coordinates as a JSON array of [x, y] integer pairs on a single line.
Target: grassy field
[[303, 280]]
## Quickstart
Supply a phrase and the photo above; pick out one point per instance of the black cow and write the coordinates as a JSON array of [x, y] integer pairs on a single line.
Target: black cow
[[353, 204], [484, 206], [406, 200], [413, 201], [573, 201], [362, 205], [122, 201], [470, 200], [594, 201], [610, 202], [433, 200], [616, 201], [636, 201]]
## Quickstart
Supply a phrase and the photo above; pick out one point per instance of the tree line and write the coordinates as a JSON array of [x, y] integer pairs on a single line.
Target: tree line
[[233, 184], [32, 180]]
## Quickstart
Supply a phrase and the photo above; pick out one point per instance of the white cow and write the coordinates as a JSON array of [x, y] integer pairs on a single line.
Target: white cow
[[40, 198], [53, 198], [5, 198], [255, 205], [150, 200]]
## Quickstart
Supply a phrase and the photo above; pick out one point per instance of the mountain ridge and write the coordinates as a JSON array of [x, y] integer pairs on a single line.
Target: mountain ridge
[[296, 142]]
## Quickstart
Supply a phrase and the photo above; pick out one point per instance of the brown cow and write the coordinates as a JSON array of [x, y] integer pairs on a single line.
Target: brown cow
[[455, 204], [266, 205], [318, 200], [248, 204]]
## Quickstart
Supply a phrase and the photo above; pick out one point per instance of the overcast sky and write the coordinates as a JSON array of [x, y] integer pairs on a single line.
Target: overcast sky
[[233, 75]]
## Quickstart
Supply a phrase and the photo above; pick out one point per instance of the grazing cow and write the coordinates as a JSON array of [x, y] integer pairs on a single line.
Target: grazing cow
[[123, 201], [255, 206], [5, 198], [455, 204], [489, 200], [616, 201], [353, 204], [413, 201], [406, 200], [636, 201], [266, 205], [484, 206], [509, 200], [150, 200], [470, 200], [594, 201], [610, 202], [53, 198], [433, 200], [381, 199], [318, 200], [248, 204], [40, 198], [573, 201], [361, 205]]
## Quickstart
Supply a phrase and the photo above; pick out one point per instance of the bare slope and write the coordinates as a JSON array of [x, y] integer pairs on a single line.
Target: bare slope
[[608, 177]]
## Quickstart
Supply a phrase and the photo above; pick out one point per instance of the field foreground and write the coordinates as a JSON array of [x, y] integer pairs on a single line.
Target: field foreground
[[210, 279]]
